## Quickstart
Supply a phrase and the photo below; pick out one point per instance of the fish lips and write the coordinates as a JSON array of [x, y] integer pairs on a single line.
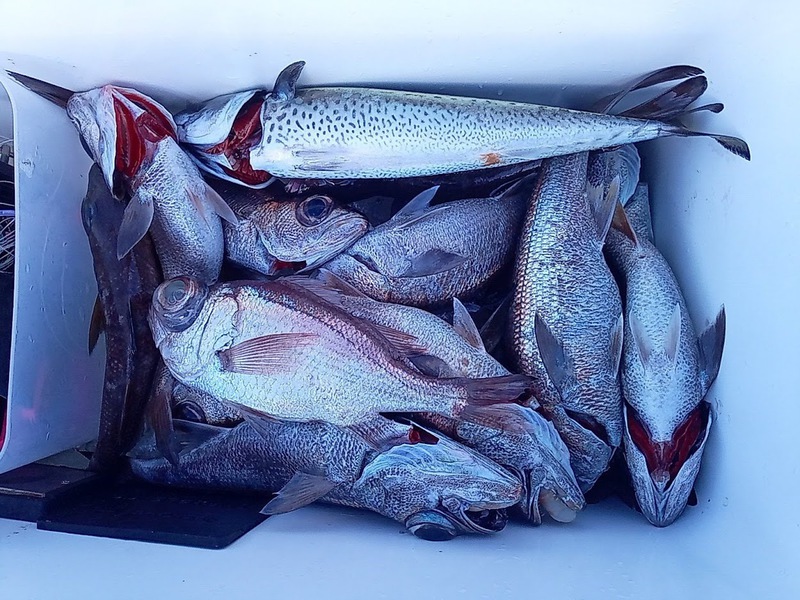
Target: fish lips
[[557, 493], [662, 502], [443, 524]]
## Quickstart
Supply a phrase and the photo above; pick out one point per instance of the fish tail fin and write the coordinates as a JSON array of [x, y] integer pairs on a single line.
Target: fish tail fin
[[732, 144]]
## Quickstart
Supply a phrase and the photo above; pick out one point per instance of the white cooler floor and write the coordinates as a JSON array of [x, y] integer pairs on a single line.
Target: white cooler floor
[[329, 552]]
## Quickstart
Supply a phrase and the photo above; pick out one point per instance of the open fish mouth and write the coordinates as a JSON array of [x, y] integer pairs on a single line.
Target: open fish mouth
[[555, 500], [441, 524]]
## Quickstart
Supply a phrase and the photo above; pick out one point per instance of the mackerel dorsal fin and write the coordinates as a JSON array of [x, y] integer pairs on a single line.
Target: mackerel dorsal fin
[[603, 201], [712, 341], [465, 326], [641, 341], [621, 223], [416, 207], [673, 339], [286, 82]]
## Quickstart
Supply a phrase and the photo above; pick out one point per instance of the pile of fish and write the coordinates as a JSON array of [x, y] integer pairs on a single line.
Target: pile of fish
[[291, 282]]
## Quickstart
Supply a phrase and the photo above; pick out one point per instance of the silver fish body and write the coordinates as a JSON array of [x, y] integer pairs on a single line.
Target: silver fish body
[[564, 287], [272, 229], [666, 373], [275, 349], [429, 255], [352, 133], [535, 453]]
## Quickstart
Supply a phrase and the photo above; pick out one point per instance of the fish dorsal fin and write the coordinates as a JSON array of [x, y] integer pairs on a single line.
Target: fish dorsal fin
[[286, 83], [553, 355], [673, 338], [432, 262], [418, 208], [136, 222], [406, 343], [301, 490], [641, 340], [603, 201], [621, 223], [265, 355], [220, 206], [712, 342], [333, 281], [616, 344], [465, 326]]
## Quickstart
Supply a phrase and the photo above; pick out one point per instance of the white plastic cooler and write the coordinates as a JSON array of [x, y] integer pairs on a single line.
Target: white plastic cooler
[[730, 229]]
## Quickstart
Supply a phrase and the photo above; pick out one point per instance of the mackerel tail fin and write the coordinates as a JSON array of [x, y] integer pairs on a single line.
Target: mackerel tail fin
[[732, 144]]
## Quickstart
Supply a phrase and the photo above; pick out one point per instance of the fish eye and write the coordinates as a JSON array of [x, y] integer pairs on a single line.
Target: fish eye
[[178, 302], [189, 411], [313, 210], [175, 292]]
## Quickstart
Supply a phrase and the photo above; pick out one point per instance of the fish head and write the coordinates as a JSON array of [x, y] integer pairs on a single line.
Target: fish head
[[222, 134], [442, 486], [311, 230], [188, 328], [538, 457], [663, 472], [118, 127]]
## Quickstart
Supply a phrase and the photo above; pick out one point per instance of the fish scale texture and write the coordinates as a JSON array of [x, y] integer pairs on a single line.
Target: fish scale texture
[[349, 132], [662, 397], [482, 230]]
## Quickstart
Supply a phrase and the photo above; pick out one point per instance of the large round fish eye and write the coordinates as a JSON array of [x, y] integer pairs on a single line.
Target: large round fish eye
[[178, 302], [313, 210]]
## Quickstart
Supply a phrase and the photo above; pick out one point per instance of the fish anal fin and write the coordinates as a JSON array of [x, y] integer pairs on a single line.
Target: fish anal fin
[[97, 324], [712, 342], [465, 326], [136, 221], [380, 433], [433, 262], [265, 355], [301, 490], [432, 366], [406, 343], [621, 223]]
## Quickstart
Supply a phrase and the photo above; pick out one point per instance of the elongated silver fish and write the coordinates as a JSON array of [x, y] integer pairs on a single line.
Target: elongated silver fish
[[534, 451], [134, 141], [666, 373], [436, 490], [276, 349], [351, 133], [566, 314], [431, 254], [273, 229]]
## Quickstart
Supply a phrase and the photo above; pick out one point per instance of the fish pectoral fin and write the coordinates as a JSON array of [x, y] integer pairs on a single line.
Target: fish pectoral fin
[[380, 433], [317, 287], [712, 341], [553, 355], [465, 326], [286, 83], [673, 339], [504, 389], [265, 355], [333, 281], [301, 490], [97, 324], [190, 435], [220, 206], [432, 262], [320, 160], [641, 341], [502, 417], [616, 344], [136, 221], [432, 366], [262, 423], [603, 201]]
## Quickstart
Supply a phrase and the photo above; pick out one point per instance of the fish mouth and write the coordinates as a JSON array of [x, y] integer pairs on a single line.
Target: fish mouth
[[556, 499], [662, 489]]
